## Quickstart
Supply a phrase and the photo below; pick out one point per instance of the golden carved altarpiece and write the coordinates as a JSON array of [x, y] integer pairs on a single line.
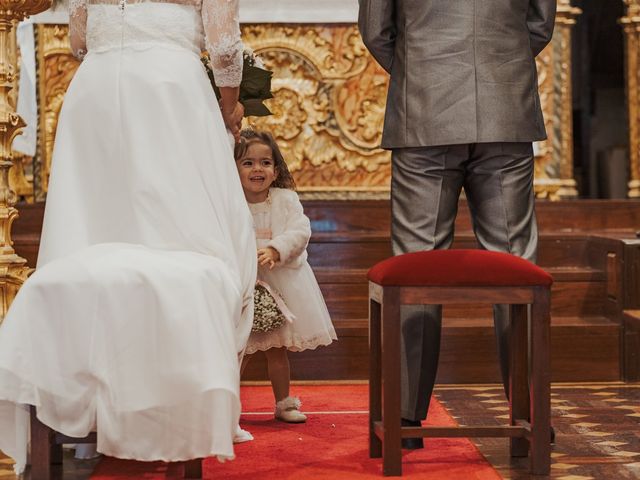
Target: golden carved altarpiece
[[329, 105]]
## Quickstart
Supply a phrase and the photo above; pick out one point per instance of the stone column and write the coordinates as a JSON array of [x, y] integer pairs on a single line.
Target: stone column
[[631, 25], [13, 269]]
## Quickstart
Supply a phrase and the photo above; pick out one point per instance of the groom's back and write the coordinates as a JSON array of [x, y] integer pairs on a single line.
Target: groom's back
[[481, 27], [464, 72]]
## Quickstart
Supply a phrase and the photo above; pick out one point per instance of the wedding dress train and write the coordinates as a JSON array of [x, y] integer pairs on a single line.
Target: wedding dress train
[[141, 302]]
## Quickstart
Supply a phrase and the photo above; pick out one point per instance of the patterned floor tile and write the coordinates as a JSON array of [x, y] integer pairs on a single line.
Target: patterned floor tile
[[626, 454], [575, 477], [597, 433], [563, 466], [612, 444]]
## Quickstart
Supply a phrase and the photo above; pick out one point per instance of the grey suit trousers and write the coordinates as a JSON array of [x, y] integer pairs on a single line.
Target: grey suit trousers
[[425, 188]]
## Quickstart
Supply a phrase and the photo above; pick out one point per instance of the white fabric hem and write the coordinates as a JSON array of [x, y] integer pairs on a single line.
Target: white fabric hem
[[298, 345]]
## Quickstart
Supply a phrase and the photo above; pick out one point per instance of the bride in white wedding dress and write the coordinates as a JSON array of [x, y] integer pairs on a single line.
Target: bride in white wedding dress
[[141, 302]]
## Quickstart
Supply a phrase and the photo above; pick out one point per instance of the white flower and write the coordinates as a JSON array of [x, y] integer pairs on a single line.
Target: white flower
[[267, 316]]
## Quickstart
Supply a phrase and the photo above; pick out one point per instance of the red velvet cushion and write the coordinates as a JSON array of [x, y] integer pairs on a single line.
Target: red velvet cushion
[[468, 268]]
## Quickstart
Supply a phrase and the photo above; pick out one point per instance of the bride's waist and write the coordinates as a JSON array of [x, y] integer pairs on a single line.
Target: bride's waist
[[144, 25], [140, 46]]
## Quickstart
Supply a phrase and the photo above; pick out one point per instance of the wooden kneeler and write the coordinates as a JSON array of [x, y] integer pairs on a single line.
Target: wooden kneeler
[[448, 277], [46, 450]]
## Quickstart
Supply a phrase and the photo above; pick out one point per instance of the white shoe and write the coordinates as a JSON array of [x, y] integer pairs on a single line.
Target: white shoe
[[241, 436], [288, 410], [86, 451]]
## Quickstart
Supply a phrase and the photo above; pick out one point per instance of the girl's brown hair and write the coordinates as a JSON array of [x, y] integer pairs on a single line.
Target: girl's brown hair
[[248, 137]]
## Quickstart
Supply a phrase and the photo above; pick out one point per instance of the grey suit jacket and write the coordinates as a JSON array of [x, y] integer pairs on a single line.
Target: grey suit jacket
[[462, 71]]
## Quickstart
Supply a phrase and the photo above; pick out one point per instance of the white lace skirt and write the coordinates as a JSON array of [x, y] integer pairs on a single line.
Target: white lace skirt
[[133, 321], [312, 327]]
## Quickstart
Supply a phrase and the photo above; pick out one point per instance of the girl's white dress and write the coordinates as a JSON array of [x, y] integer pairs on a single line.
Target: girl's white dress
[[280, 223], [142, 297]]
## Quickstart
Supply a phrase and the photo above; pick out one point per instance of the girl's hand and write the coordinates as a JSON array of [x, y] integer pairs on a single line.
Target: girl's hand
[[268, 257]]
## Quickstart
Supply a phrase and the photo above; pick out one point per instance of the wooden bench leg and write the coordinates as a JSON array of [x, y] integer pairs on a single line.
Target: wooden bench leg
[[518, 374], [56, 454], [375, 378], [193, 469], [391, 445], [41, 448], [540, 383]]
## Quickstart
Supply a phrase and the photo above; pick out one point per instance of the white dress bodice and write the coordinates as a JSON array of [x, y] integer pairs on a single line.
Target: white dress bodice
[[262, 222], [194, 25], [143, 25]]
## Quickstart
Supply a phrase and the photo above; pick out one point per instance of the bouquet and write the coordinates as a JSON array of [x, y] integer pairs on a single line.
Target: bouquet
[[270, 311], [255, 86]]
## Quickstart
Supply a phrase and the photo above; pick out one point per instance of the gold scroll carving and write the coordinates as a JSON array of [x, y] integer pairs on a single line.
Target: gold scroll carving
[[329, 106], [56, 68], [631, 25]]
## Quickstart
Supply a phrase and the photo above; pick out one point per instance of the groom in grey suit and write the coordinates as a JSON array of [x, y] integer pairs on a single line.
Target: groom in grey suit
[[462, 112]]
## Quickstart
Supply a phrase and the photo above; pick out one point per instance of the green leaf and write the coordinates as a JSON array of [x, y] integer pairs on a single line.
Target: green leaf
[[255, 86], [253, 107]]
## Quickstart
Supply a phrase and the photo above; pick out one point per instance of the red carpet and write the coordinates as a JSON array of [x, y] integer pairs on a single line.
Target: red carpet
[[331, 445]]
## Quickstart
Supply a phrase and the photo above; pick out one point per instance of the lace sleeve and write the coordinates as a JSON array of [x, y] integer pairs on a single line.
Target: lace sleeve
[[221, 21], [78, 27]]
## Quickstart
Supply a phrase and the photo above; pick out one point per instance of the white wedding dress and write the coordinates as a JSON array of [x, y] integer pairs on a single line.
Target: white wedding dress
[[141, 301]]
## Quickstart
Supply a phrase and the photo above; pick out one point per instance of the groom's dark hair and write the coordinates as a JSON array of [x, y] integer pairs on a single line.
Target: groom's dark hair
[[248, 136]]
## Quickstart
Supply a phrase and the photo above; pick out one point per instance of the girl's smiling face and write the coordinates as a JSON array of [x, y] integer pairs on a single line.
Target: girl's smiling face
[[257, 172]]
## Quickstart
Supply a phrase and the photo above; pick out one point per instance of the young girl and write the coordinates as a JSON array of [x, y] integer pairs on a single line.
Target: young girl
[[282, 233]]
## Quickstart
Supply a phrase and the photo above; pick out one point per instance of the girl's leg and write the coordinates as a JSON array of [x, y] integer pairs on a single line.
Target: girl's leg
[[279, 372], [287, 408]]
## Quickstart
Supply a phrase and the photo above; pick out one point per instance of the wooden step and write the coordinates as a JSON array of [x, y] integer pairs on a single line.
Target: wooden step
[[567, 215], [361, 250], [360, 326], [582, 349], [370, 215], [364, 249], [576, 291]]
